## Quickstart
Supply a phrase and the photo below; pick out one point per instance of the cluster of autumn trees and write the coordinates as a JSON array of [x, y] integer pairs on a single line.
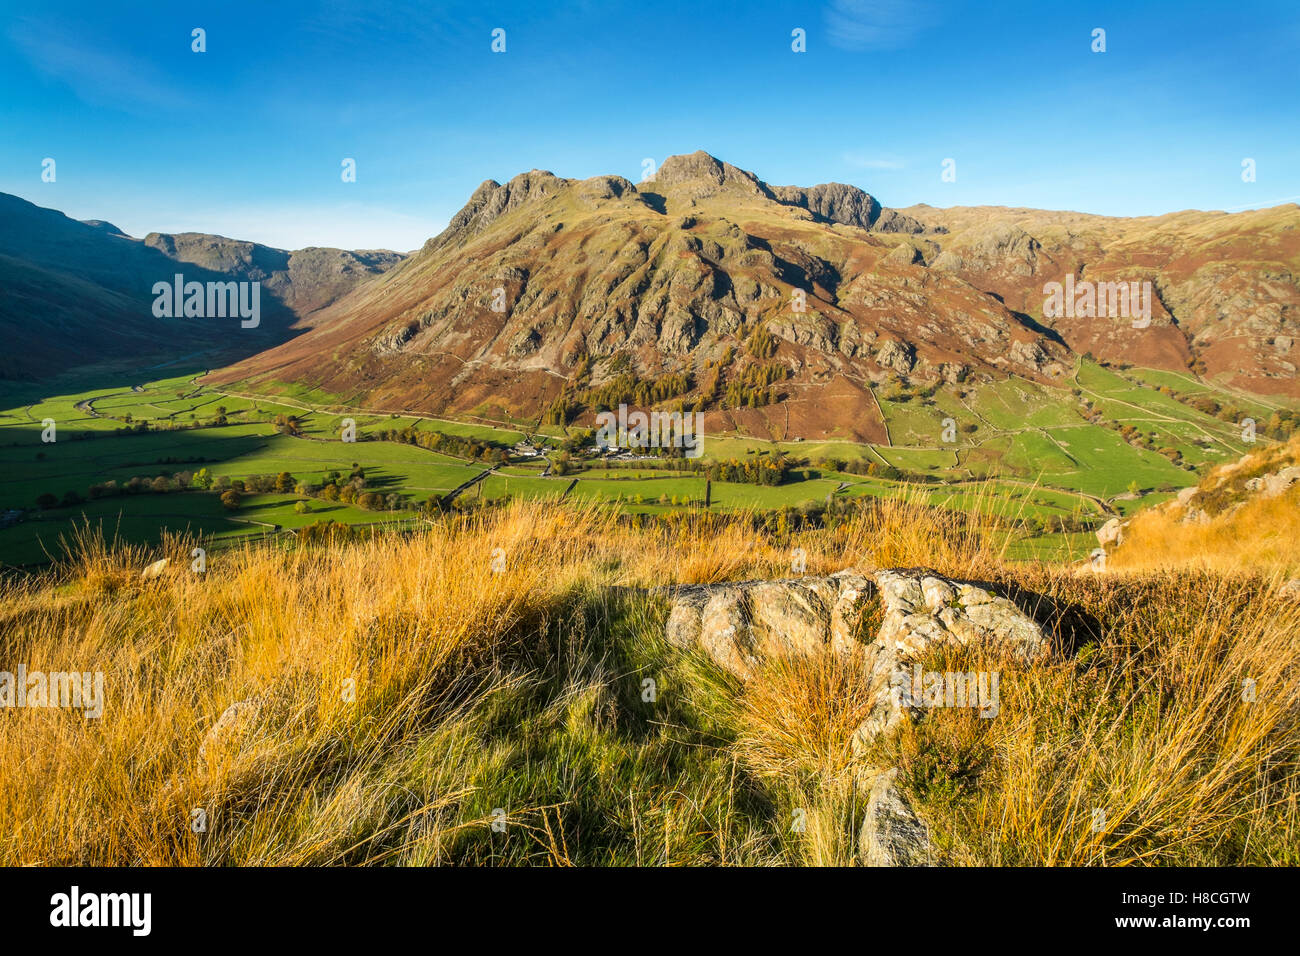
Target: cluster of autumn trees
[[627, 389], [753, 388], [350, 490], [624, 389], [759, 470], [561, 411], [455, 445], [750, 387], [137, 485], [287, 424], [328, 532], [859, 466], [762, 343], [1281, 424], [903, 392]]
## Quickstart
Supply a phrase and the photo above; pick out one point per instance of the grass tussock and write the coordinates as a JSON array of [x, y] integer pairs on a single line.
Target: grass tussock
[[1262, 534], [1234, 529], [1169, 735], [495, 689]]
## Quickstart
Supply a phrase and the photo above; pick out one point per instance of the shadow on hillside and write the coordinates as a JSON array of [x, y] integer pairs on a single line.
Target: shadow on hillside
[[656, 202], [1030, 322], [91, 292], [92, 461], [121, 375], [799, 276]]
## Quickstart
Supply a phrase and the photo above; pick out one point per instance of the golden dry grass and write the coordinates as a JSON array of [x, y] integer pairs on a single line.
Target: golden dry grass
[[1262, 535], [409, 687], [1245, 531], [393, 616], [1172, 737]]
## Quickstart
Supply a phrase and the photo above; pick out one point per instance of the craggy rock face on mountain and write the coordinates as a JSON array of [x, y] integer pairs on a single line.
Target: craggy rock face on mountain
[[671, 275], [543, 284], [1224, 288], [836, 202], [544, 287]]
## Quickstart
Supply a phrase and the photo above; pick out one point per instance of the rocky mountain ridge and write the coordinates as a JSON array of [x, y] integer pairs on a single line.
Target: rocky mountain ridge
[[780, 307], [542, 288]]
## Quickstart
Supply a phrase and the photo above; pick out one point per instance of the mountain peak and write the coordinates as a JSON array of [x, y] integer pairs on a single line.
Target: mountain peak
[[707, 174], [840, 202], [492, 200]]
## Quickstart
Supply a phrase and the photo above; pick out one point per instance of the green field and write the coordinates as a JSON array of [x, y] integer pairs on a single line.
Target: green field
[[1014, 448]]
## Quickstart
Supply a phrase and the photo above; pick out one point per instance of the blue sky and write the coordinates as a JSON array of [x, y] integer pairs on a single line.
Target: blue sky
[[247, 139]]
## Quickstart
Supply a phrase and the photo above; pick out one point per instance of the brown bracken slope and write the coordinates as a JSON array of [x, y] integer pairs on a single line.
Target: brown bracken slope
[[545, 288]]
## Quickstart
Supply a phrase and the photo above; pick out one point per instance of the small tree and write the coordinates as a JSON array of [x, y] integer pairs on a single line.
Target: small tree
[[46, 501], [284, 482], [230, 499]]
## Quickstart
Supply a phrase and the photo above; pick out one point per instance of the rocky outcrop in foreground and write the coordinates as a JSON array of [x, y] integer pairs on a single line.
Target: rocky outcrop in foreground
[[922, 609], [741, 625], [888, 618]]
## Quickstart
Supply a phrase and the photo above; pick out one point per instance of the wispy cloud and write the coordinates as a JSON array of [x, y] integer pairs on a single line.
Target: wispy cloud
[[398, 22], [866, 161], [96, 73], [875, 24], [1262, 204]]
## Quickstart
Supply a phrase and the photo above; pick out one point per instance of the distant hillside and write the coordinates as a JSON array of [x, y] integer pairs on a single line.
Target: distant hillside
[[1226, 287], [688, 284], [76, 293], [550, 297]]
